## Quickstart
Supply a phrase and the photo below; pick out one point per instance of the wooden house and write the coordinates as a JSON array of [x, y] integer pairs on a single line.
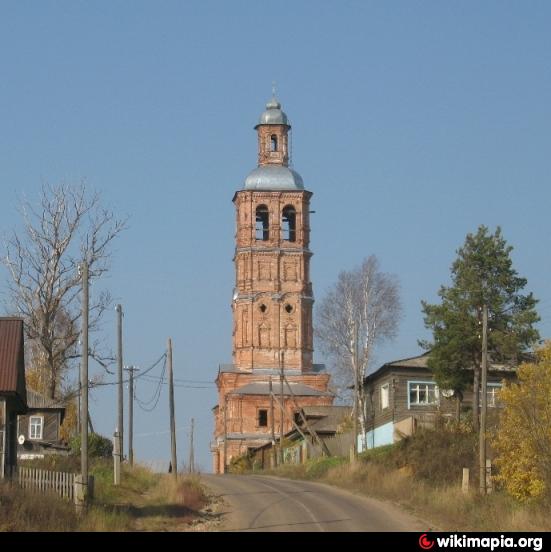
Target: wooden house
[[403, 396], [38, 431], [331, 424], [13, 396]]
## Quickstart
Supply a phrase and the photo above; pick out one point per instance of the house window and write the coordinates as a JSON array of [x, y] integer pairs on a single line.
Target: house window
[[492, 395], [262, 418], [35, 427], [385, 389], [422, 393]]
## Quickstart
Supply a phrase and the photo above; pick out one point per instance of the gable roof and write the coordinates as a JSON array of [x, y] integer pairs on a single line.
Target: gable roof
[[421, 362], [12, 359], [325, 419], [39, 400]]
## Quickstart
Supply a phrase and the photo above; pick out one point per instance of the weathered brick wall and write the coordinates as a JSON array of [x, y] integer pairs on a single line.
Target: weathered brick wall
[[272, 307]]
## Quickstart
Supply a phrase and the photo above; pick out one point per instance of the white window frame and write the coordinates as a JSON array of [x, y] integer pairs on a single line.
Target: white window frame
[[385, 391], [41, 426], [426, 385], [491, 389]]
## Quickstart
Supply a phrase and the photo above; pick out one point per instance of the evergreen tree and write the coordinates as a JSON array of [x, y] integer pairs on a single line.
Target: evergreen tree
[[482, 274]]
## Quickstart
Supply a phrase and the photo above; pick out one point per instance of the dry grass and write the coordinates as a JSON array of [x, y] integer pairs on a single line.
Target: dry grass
[[145, 501], [446, 505], [21, 511], [431, 490], [171, 505]]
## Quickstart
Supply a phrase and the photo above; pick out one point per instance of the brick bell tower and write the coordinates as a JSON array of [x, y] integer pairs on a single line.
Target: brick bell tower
[[272, 303]]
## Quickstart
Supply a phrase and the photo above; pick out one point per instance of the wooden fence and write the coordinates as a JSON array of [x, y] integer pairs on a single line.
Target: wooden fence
[[45, 481], [338, 445]]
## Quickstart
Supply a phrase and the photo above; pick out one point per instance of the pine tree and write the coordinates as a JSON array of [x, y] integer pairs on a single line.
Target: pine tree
[[482, 274]]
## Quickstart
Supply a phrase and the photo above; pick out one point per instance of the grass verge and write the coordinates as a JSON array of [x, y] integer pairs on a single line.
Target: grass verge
[[426, 485], [145, 501]]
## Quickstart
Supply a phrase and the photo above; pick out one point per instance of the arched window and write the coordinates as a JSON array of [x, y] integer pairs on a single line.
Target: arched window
[[262, 223], [273, 142], [289, 223]]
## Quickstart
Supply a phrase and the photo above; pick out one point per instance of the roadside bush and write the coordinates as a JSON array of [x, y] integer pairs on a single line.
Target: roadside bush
[[523, 440], [438, 456], [98, 446], [240, 464]]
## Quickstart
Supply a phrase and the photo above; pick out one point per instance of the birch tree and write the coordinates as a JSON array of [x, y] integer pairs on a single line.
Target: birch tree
[[67, 225], [358, 313]]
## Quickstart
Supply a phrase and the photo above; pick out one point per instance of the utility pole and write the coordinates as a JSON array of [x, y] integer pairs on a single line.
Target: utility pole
[[356, 391], [191, 452], [79, 398], [281, 421], [131, 371], [84, 384], [171, 406], [272, 421], [225, 433], [484, 400], [120, 398]]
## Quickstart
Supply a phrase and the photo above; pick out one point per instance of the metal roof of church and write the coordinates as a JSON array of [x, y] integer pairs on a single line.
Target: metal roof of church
[[273, 115], [263, 388], [273, 177]]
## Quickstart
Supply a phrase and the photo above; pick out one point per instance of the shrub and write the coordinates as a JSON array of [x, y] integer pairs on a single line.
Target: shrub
[[98, 446], [438, 456], [523, 441], [240, 464]]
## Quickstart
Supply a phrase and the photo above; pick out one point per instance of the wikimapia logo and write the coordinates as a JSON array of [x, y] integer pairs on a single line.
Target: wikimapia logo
[[493, 543]]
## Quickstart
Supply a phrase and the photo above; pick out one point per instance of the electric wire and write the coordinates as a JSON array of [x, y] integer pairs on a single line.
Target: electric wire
[[144, 405]]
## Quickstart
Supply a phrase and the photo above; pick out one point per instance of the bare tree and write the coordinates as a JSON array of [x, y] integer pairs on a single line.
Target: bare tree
[[360, 311], [67, 226]]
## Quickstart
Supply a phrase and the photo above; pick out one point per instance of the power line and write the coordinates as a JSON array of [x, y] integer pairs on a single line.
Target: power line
[[104, 383], [144, 405]]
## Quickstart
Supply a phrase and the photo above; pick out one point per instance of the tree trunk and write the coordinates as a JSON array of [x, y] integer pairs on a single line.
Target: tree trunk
[[363, 421], [476, 397]]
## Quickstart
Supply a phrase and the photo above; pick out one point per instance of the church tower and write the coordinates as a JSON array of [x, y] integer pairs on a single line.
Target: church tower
[[272, 302]]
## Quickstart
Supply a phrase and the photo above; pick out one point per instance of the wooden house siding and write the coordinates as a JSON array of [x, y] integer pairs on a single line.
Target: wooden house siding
[[50, 426], [2, 436], [399, 408]]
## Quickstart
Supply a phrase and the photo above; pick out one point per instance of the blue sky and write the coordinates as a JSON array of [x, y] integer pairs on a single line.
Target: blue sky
[[413, 123]]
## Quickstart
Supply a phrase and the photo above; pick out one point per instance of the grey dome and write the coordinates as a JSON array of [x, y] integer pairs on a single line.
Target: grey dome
[[273, 114], [273, 177]]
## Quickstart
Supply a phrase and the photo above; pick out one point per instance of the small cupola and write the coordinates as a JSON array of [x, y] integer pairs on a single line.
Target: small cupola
[[273, 172], [273, 115]]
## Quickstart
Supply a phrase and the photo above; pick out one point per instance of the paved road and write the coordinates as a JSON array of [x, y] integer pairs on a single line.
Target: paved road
[[263, 503]]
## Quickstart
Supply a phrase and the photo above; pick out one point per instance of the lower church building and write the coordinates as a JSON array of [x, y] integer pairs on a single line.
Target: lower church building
[[272, 376]]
